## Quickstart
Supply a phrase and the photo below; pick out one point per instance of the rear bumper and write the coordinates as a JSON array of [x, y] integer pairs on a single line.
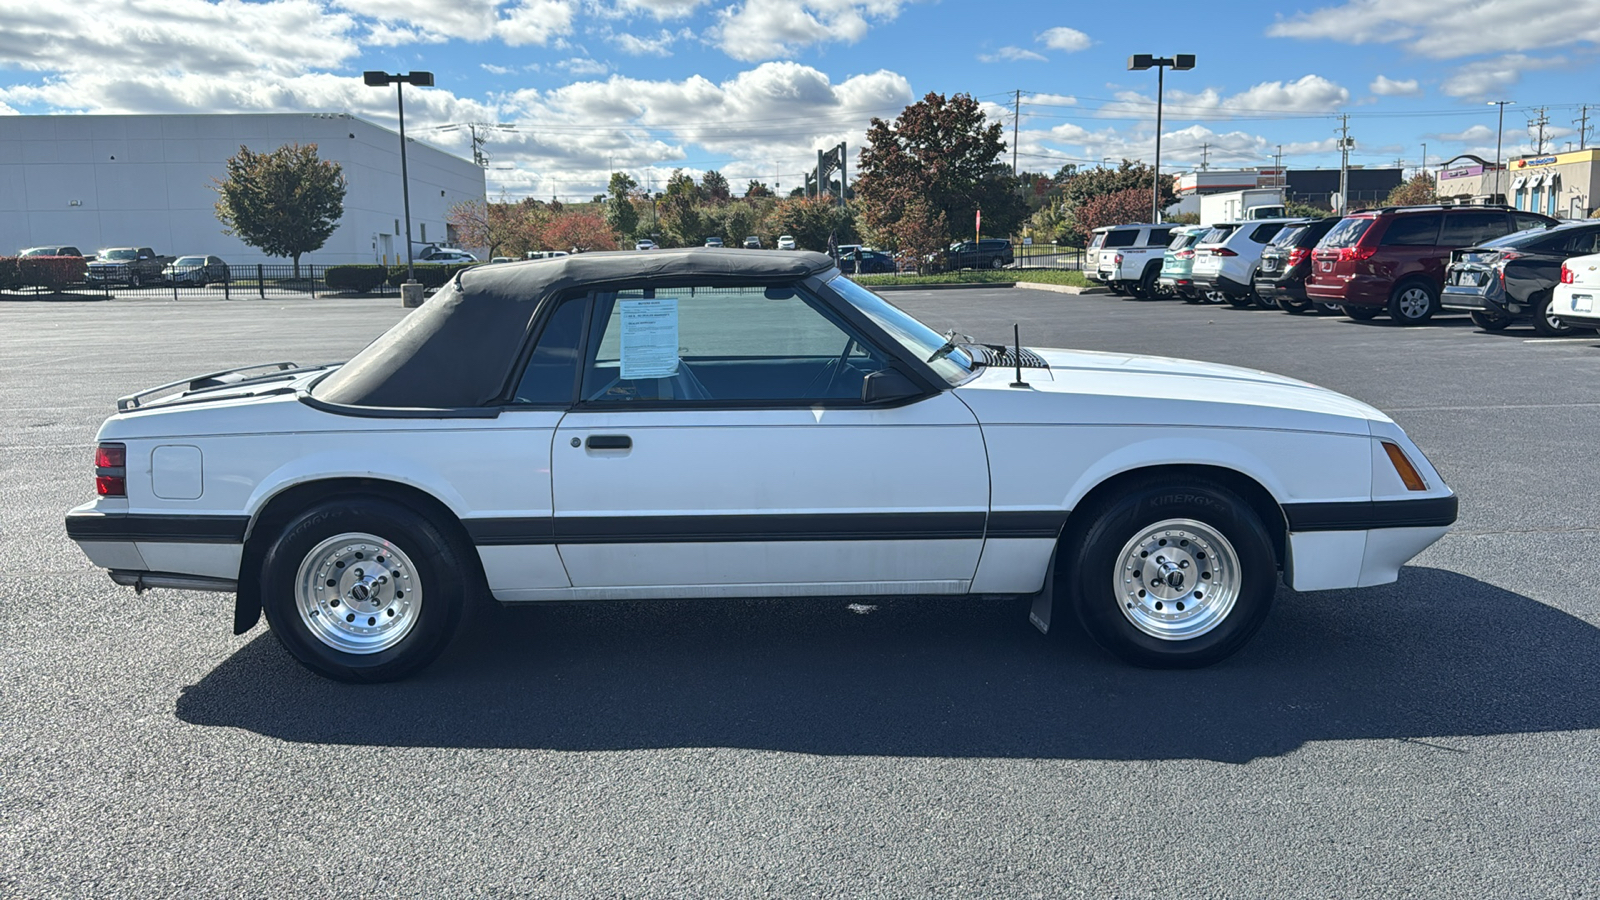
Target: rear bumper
[[201, 546], [1274, 290], [1221, 282], [1359, 290], [1473, 299], [1577, 306]]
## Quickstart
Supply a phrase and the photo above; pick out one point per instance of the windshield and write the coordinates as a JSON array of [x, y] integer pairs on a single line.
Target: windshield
[[39, 251], [1346, 233], [918, 339], [190, 261], [119, 254], [1218, 234], [1288, 235]]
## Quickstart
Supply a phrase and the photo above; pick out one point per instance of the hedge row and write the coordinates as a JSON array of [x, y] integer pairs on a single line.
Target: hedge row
[[364, 279], [49, 272]]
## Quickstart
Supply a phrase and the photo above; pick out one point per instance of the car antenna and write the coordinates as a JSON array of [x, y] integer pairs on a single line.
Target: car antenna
[[1016, 336]]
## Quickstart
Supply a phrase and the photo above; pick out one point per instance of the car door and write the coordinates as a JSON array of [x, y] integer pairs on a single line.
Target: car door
[[720, 447]]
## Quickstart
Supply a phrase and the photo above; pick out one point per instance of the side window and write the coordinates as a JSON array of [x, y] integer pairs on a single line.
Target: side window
[[1464, 229], [1412, 231], [762, 344], [1159, 237], [1121, 238], [1264, 233], [1523, 221], [554, 362]]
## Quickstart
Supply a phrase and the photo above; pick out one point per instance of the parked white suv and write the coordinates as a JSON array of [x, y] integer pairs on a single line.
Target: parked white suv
[[1226, 259], [1127, 258]]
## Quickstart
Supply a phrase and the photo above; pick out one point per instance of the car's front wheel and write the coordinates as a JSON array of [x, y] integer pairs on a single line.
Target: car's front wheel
[[364, 590], [1173, 575]]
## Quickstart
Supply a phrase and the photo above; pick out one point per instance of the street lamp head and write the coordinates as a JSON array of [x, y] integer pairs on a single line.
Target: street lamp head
[[420, 79], [1183, 61], [1140, 61], [375, 79]]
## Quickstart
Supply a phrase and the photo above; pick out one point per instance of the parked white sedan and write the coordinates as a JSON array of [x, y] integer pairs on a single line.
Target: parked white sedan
[[1574, 299], [713, 423]]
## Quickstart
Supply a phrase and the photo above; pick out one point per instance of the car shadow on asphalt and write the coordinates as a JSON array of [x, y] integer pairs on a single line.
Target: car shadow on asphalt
[[1438, 654]]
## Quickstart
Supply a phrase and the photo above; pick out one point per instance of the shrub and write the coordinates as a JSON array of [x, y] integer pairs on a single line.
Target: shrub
[[10, 273], [358, 279], [430, 275], [52, 272]]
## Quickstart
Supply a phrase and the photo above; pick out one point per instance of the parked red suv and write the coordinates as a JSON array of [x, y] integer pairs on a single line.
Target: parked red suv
[[1393, 259]]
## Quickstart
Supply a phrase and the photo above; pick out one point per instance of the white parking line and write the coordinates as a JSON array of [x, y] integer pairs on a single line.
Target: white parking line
[[1584, 340]]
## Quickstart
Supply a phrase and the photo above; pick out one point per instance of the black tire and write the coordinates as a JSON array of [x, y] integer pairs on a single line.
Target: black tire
[[134, 281], [1102, 588], [1116, 288], [1239, 301], [1413, 302], [1490, 321], [1361, 313], [1544, 321], [439, 577], [1263, 302], [998, 263], [1147, 283], [1328, 309], [1196, 299], [1295, 307], [1214, 297]]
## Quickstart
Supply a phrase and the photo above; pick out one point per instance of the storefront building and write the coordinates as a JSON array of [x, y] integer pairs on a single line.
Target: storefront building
[[1559, 184]]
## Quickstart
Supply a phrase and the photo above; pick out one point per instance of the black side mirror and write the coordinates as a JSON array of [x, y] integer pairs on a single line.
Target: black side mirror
[[888, 386]]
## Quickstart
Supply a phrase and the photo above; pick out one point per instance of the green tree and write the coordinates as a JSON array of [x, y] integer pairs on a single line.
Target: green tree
[[680, 211], [945, 152], [1416, 192], [621, 214], [285, 203], [811, 220], [756, 190], [714, 188]]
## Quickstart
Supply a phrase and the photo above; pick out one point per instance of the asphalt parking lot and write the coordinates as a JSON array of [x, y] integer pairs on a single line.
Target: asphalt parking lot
[[1439, 737]]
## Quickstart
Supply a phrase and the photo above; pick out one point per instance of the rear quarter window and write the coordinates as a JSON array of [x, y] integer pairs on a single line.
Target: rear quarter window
[[1413, 231], [1121, 238], [1267, 232], [1158, 237], [1288, 236], [1217, 234]]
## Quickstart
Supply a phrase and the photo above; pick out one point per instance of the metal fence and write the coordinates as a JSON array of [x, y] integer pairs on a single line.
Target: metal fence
[[242, 282], [1049, 256]]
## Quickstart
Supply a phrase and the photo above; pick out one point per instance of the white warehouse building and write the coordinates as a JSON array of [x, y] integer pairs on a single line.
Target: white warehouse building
[[146, 181]]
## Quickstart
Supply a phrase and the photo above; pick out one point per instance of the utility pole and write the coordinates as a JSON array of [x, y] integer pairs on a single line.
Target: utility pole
[[1583, 128], [1424, 157], [1345, 143], [1283, 177], [1205, 157], [1540, 123], [1016, 130]]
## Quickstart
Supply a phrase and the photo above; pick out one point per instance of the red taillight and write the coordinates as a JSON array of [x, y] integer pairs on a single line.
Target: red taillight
[[1566, 274], [1119, 259], [1298, 256], [111, 470], [1222, 251], [1356, 254], [1184, 254]]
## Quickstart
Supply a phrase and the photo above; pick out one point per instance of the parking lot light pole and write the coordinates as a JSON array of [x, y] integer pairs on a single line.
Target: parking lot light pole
[[1499, 194], [419, 79], [1139, 62]]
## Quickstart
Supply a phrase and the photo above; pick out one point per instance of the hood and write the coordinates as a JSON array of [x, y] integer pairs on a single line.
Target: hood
[[1090, 388]]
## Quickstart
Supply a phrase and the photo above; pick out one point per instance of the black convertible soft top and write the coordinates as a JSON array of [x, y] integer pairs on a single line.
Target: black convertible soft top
[[457, 349]]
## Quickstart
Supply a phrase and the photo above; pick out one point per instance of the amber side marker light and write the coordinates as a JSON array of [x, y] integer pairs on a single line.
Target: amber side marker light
[[1402, 466]]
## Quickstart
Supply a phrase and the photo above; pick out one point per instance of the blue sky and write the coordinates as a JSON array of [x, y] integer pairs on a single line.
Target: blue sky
[[753, 88]]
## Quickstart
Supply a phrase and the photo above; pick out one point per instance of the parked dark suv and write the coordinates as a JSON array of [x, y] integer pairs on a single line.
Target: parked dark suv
[[1392, 259], [1285, 263], [1513, 278], [989, 253]]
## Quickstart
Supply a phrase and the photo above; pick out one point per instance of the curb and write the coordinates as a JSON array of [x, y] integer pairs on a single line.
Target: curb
[[1053, 288], [940, 287]]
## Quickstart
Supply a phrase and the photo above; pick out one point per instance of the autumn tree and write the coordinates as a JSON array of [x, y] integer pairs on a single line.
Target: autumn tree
[[578, 229], [1418, 191], [757, 190], [811, 220], [1120, 208], [491, 226], [919, 233], [621, 215], [945, 152], [285, 203]]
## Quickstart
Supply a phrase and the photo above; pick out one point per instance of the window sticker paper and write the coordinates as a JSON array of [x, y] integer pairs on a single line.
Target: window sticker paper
[[649, 338]]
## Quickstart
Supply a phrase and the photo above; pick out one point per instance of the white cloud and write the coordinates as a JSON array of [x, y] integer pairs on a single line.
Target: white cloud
[[1473, 134], [1011, 54], [1446, 32], [1309, 94], [534, 22], [1069, 40], [1488, 79], [580, 66], [1389, 87], [660, 9], [773, 29], [496, 70], [659, 45]]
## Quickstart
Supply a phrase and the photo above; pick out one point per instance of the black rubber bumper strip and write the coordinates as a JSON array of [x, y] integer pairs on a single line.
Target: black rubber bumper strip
[[1364, 515], [172, 529], [812, 527]]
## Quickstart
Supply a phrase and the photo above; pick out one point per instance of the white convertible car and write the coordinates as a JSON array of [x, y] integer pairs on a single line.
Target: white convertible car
[[716, 423]]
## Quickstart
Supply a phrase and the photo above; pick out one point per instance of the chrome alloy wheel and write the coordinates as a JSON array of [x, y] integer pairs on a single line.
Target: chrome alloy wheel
[[1414, 302], [358, 593], [1177, 579]]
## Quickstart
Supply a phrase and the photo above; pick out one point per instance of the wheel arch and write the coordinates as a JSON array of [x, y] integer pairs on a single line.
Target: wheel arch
[[283, 505], [1253, 492]]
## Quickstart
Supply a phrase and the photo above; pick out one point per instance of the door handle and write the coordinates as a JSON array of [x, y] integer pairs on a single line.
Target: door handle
[[609, 442]]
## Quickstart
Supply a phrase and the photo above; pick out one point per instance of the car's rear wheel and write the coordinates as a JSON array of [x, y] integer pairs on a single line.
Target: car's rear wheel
[[1268, 302], [997, 263], [1173, 575], [1361, 313], [1193, 298], [1116, 288], [1413, 302], [1295, 307], [1328, 309], [1545, 321], [1239, 301], [1490, 321], [364, 590], [1215, 297], [1148, 289]]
